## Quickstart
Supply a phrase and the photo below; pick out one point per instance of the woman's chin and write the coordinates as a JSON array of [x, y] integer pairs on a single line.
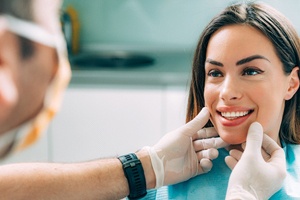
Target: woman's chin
[[233, 140]]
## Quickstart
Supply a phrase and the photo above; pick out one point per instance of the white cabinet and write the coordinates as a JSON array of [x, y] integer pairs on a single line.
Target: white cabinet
[[102, 121], [97, 122], [174, 108], [105, 121]]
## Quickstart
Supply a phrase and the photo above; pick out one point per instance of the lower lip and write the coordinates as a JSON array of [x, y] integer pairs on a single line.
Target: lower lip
[[233, 122]]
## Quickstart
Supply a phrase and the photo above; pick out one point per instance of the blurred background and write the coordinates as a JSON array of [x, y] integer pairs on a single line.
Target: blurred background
[[155, 23]]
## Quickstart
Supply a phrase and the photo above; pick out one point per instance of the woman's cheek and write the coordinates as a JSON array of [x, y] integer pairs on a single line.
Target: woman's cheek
[[208, 97]]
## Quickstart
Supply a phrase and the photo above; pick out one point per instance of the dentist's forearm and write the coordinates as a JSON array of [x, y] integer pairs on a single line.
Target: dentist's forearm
[[102, 179]]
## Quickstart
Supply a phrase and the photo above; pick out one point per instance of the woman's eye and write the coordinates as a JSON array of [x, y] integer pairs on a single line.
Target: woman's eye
[[251, 72], [214, 73]]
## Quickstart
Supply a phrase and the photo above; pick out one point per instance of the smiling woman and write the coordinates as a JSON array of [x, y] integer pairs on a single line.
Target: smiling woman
[[244, 53], [246, 86], [246, 69]]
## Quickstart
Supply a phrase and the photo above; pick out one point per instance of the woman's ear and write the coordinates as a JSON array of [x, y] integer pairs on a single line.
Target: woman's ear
[[293, 83]]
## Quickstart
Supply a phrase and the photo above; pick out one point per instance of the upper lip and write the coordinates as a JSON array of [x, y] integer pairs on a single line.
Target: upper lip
[[233, 109]]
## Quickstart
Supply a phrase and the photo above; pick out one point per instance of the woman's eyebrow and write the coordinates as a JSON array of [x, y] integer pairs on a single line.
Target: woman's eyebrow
[[250, 58], [240, 62], [213, 62]]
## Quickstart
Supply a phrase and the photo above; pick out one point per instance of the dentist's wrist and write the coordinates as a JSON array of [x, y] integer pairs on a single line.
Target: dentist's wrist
[[144, 157]]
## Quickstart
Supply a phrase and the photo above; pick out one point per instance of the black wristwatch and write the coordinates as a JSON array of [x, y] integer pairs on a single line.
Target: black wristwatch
[[134, 173]]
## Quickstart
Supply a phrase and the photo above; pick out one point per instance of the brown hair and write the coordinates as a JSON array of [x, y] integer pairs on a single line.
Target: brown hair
[[287, 45]]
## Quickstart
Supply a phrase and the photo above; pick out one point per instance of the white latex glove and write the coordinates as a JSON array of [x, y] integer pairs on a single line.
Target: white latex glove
[[174, 158], [253, 177]]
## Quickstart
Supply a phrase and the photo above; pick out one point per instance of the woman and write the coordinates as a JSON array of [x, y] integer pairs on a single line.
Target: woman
[[246, 69]]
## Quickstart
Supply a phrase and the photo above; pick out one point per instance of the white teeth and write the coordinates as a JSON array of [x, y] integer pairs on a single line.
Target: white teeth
[[234, 114]]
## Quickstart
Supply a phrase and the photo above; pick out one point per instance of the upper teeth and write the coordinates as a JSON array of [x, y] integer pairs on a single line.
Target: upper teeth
[[234, 114]]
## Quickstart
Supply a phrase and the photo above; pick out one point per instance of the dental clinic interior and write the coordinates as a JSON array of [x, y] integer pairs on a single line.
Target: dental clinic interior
[[131, 63]]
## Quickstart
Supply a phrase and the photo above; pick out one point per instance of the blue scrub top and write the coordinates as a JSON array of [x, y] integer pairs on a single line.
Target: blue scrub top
[[213, 185]]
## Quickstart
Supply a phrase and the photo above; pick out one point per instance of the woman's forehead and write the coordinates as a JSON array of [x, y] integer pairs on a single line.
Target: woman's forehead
[[239, 40]]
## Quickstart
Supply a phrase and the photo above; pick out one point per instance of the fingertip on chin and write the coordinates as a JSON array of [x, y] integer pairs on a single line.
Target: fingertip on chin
[[205, 111], [256, 125], [205, 108]]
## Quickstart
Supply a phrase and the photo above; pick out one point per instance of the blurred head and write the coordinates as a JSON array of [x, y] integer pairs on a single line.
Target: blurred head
[[29, 59], [246, 69], [26, 67]]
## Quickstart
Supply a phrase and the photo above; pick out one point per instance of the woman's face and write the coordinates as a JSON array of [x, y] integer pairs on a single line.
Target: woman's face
[[244, 83]]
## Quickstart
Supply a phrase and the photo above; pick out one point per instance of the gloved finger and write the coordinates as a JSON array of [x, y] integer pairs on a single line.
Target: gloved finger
[[236, 154], [206, 133], [269, 144], [204, 166], [209, 154], [243, 145], [230, 162], [197, 123], [265, 155], [273, 149], [209, 143], [254, 139]]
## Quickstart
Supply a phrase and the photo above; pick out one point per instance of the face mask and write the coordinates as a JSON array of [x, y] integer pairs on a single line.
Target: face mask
[[26, 134]]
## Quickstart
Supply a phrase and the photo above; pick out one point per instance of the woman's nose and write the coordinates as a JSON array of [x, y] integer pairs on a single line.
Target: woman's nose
[[230, 90]]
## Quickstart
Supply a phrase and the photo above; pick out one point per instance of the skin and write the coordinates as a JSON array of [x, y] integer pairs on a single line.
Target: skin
[[242, 75], [22, 79], [101, 179]]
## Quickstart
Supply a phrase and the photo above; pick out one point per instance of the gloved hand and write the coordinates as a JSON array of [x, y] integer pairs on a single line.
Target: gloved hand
[[174, 157], [253, 177]]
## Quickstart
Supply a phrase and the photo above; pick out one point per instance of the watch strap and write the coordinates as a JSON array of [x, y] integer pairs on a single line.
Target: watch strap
[[134, 173]]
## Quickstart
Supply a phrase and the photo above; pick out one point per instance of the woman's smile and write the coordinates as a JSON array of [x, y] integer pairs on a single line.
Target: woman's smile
[[233, 118]]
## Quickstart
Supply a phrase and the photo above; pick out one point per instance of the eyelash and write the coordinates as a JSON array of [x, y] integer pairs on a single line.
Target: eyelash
[[246, 72], [248, 69], [213, 73]]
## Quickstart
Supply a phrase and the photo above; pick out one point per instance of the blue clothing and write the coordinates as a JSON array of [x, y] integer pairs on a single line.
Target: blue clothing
[[213, 185]]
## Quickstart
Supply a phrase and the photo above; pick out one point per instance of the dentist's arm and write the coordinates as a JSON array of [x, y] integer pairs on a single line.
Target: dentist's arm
[[105, 178], [253, 177]]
